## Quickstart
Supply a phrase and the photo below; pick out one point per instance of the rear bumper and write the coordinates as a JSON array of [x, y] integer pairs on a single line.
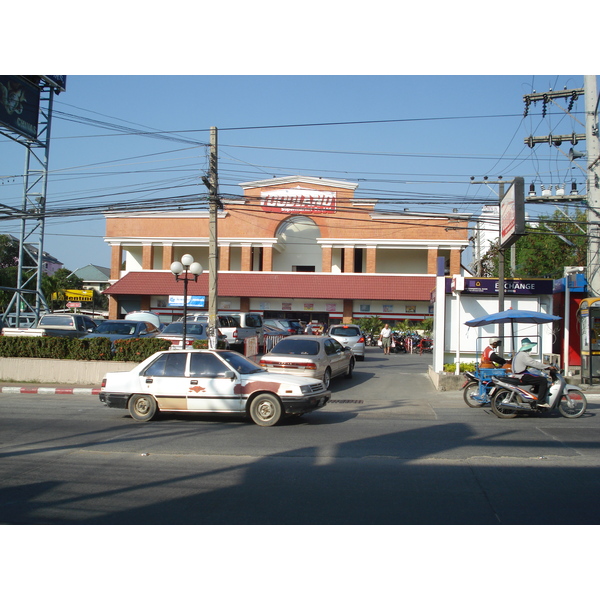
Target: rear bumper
[[113, 400]]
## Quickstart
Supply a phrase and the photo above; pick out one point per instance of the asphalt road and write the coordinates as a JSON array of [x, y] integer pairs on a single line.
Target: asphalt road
[[388, 449]]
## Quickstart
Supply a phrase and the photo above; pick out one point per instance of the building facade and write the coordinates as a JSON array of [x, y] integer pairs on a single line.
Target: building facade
[[296, 247]]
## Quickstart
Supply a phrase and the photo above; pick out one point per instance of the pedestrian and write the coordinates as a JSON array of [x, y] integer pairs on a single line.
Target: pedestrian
[[522, 361], [386, 338]]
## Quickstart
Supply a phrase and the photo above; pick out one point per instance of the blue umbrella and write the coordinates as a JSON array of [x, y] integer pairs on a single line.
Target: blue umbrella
[[512, 316]]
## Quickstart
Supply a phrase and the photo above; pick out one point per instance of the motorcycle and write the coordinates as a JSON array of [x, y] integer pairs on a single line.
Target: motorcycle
[[512, 398], [477, 389]]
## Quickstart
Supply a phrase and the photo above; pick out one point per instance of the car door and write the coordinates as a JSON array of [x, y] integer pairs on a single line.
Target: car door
[[337, 356], [166, 380], [211, 385]]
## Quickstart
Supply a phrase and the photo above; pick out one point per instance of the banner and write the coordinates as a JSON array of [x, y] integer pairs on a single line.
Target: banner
[[19, 105]]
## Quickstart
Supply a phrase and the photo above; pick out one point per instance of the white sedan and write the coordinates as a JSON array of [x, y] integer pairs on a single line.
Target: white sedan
[[210, 381]]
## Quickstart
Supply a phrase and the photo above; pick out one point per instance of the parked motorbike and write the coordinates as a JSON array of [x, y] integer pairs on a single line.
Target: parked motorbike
[[512, 398]]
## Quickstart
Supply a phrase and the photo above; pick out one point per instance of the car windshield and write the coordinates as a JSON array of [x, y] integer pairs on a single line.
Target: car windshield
[[240, 363], [193, 328], [116, 328], [297, 347], [347, 331]]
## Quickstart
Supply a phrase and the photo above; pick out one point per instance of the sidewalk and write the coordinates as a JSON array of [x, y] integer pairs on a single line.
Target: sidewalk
[[46, 389]]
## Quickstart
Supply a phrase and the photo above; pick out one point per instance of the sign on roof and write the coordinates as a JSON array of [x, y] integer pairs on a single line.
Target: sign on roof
[[298, 201]]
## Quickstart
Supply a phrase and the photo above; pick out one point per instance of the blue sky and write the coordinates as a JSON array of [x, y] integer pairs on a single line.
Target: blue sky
[[330, 73], [441, 130]]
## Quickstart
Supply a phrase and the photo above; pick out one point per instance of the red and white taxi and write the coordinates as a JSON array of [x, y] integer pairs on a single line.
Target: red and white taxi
[[210, 381]]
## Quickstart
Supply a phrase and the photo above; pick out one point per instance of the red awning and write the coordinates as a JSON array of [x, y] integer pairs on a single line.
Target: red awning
[[281, 285]]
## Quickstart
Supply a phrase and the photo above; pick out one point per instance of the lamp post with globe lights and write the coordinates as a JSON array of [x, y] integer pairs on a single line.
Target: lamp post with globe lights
[[186, 270]]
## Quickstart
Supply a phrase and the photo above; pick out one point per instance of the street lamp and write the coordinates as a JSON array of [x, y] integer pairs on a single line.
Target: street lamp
[[186, 270]]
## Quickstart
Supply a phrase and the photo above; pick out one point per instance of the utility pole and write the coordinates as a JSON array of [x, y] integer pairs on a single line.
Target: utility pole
[[213, 249], [593, 185], [500, 184], [590, 93]]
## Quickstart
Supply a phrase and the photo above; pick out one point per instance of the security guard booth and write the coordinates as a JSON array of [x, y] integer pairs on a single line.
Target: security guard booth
[[589, 318]]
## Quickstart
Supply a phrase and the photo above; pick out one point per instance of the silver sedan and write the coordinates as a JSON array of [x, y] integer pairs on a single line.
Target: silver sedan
[[320, 357]]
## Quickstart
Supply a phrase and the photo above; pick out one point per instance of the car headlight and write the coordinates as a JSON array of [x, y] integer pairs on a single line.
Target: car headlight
[[305, 389]]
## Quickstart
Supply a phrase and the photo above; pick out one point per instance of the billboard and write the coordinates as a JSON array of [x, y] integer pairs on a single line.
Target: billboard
[[19, 105], [512, 213]]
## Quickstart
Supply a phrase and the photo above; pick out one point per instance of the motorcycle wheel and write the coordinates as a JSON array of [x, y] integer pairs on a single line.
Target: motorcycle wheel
[[497, 407], [471, 388], [572, 404]]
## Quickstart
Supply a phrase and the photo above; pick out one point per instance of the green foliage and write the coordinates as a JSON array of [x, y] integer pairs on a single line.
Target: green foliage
[[558, 241], [203, 345], [427, 325], [138, 349], [372, 325], [79, 349], [451, 367]]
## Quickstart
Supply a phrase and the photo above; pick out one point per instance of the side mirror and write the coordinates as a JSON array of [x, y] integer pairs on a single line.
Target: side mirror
[[229, 375]]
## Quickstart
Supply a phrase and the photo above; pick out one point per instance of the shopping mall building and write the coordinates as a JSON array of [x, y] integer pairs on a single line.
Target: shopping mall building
[[294, 247]]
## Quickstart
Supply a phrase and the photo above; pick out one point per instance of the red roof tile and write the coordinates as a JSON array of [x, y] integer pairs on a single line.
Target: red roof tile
[[281, 285]]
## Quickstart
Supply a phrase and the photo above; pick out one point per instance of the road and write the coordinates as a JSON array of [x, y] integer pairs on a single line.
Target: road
[[389, 449]]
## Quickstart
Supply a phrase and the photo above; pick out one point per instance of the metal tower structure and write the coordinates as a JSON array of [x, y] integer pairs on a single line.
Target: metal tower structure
[[28, 300]]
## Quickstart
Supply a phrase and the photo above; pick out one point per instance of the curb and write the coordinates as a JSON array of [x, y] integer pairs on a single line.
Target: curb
[[47, 390]]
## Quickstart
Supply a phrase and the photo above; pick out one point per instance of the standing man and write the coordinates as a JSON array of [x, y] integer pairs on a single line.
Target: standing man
[[386, 338]]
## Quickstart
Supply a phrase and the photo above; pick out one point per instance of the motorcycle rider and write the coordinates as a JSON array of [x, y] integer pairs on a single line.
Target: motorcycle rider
[[522, 361], [490, 355]]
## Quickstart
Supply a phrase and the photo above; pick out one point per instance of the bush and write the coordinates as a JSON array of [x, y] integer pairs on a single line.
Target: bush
[[138, 349], [80, 349], [451, 367]]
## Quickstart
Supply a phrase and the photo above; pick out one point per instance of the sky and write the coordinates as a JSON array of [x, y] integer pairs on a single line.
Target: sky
[[448, 79], [411, 141]]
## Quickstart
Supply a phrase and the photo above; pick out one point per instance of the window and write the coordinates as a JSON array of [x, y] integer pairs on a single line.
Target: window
[[253, 321], [206, 365], [167, 365]]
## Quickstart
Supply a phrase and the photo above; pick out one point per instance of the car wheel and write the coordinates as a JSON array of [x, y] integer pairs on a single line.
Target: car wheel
[[142, 408], [265, 410], [327, 378]]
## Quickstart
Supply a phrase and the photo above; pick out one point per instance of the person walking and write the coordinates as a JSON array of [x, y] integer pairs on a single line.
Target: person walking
[[386, 338]]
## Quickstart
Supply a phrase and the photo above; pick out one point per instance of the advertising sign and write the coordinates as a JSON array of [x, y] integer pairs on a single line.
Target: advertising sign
[[298, 201], [512, 213], [19, 105], [193, 301], [531, 287], [79, 295]]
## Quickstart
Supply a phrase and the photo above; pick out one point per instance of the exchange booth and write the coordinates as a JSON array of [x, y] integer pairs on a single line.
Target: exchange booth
[[589, 317]]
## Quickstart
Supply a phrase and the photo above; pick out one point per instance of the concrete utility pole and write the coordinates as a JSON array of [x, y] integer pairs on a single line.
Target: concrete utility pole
[[213, 249], [593, 185]]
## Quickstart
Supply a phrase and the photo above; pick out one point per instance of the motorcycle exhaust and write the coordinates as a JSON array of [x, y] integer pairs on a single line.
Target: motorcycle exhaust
[[516, 406]]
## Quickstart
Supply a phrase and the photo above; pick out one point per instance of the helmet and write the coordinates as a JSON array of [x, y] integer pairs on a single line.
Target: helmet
[[495, 340]]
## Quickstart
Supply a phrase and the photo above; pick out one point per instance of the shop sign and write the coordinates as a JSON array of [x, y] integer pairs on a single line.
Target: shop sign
[[526, 287], [193, 301], [298, 201]]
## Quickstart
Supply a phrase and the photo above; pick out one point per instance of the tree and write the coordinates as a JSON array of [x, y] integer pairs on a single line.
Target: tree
[[546, 249]]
